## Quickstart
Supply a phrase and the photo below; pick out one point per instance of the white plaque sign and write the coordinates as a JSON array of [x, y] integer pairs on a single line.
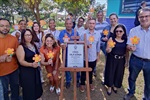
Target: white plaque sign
[[75, 55]]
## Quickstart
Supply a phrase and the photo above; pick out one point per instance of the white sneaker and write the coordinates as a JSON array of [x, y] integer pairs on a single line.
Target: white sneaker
[[58, 91], [51, 88]]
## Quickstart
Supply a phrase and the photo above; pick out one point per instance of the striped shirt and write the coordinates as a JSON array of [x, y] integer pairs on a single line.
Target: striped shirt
[[100, 26], [143, 47], [92, 52]]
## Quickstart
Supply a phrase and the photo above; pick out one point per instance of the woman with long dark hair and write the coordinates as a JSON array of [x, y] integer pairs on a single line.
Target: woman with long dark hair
[[37, 38], [29, 70], [115, 61]]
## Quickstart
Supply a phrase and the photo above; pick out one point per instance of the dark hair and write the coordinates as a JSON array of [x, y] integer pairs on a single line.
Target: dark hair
[[81, 18], [70, 14], [68, 19], [21, 21], [23, 42], [113, 14], [51, 20], [52, 37], [100, 11], [5, 20], [92, 19], [35, 38], [124, 37], [143, 2]]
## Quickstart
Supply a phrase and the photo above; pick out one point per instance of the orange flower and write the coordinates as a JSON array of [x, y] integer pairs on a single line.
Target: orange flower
[[9, 51], [134, 40], [91, 9], [91, 39], [16, 27], [50, 55], [30, 23], [37, 58], [42, 22], [111, 43], [105, 32], [66, 38], [49, 75]]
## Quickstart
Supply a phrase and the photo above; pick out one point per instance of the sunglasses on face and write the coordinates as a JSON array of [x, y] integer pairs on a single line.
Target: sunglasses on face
[[118, 31]]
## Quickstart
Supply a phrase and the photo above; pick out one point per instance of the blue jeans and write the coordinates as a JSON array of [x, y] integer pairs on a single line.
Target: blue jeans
[[135, 66], [103, 48], [11, 79], [68, 76], [1, 91]]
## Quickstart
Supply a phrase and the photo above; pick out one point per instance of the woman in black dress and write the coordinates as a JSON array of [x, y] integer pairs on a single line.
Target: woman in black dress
[[115, 62], [29, 70]]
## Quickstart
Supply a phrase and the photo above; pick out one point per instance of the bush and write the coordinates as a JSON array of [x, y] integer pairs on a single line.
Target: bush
[[60, 24]]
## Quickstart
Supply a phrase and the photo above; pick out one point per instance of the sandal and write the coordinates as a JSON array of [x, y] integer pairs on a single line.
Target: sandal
[[82, 88], [51, 88], [92, 87], [58, 91]]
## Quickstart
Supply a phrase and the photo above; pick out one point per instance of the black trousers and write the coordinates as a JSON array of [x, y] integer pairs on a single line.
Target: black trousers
[[114, 71], [83, 74]]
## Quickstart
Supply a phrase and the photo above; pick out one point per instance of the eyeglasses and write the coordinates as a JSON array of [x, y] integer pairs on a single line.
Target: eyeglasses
[[49, 41], [2, 26], [141, 17], [28, 35], [81, 21], [119, 31]]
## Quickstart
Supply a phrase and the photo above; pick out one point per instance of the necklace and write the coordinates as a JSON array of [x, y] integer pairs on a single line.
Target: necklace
[[31, 47]]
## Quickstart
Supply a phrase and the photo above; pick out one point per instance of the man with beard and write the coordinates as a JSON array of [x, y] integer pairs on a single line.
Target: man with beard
[[8, 63]]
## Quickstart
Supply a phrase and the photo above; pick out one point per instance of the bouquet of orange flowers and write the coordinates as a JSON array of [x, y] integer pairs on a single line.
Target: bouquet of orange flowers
[[105, 32], [135, 40], [37, 58], [50, 55], [91, 39], [9, 52], [66, 38], [49, 75], [111, 43], [30, 23]]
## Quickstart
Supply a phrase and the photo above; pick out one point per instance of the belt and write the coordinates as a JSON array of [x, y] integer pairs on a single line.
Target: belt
[[144, 59], [118, 56]]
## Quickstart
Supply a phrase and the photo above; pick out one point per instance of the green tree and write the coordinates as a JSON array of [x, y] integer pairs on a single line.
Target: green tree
[[77, 7]]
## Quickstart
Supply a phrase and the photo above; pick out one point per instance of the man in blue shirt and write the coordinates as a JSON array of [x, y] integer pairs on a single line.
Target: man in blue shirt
[[68, 32]]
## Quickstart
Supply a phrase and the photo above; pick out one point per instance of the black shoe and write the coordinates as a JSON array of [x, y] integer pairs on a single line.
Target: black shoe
[[94, 74], [102, 83], [115, 91], [109, 93], [128, 96], [67, 85]]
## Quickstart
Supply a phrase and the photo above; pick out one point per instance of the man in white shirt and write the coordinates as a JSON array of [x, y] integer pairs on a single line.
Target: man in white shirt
[[140, 57], [52, 29], [79, 27]]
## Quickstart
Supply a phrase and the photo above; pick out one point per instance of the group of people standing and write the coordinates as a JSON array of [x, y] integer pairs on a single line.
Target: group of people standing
[[21, 69]]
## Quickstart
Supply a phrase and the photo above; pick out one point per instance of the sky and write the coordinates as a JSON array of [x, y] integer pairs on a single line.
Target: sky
[[101, 1]]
